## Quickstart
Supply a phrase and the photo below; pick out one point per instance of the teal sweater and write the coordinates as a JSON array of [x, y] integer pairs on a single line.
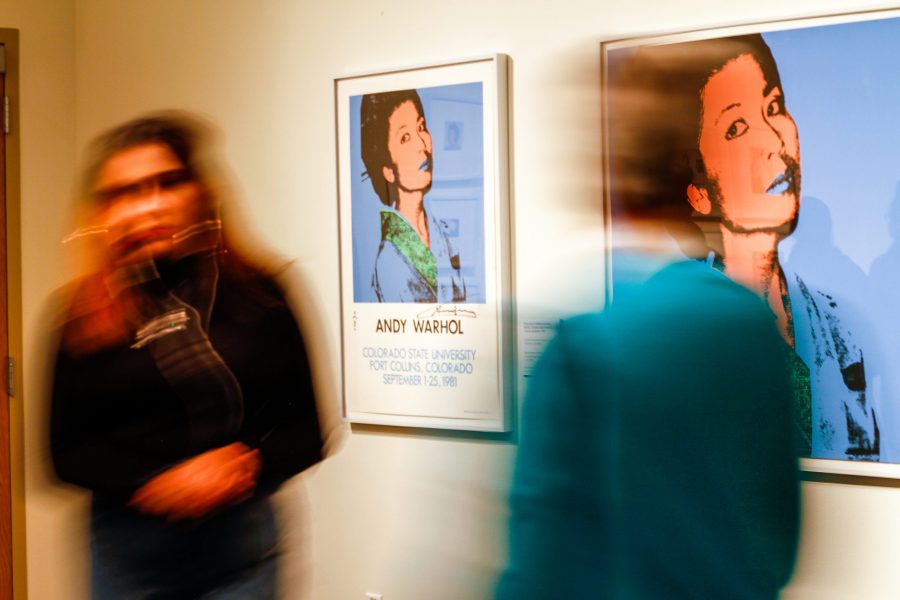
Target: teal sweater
[[657, 456]]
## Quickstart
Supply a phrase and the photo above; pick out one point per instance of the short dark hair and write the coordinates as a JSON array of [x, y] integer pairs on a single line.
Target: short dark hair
[[654, 120], [374, 113]]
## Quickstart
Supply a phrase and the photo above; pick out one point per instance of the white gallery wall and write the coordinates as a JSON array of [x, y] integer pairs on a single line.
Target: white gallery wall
[[46, 132], [408, 514]]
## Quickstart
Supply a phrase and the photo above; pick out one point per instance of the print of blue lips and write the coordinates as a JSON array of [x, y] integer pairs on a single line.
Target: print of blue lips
[[781, 184], [426, 164]]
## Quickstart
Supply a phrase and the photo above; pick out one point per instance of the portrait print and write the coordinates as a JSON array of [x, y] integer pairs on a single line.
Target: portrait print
[[417, 195], [775, 155], [423, 206]]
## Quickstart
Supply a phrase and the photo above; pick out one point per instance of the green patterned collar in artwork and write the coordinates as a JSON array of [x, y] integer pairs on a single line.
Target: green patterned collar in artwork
[[802, 401], [800, 381], [396, 229]]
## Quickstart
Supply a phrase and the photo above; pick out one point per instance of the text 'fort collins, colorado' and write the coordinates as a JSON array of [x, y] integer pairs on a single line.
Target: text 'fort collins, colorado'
[[427, 367]]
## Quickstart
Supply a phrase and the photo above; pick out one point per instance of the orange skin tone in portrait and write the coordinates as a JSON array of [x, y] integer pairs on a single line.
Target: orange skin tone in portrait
[[751, 152], [148, 197], [409, 144]]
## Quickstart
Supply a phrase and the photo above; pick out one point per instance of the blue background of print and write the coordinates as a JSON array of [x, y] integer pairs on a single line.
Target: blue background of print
[[454, 115], [841, 86]]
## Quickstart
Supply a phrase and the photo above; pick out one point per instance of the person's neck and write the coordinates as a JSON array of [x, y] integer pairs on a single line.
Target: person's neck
[[645, 236], [412, 207], [751, 259]]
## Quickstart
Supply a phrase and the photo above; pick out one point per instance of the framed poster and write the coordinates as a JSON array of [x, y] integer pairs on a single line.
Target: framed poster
[[424, 245], [775, 147]]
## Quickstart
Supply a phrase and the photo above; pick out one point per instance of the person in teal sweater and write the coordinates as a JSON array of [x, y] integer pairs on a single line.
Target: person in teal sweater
[[659, 438], [657, 449]]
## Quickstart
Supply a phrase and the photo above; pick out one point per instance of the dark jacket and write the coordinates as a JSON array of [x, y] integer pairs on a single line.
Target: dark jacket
[[116, 421]]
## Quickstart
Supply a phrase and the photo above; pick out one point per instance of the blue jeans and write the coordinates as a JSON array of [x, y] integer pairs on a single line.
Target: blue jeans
[[231, 555]]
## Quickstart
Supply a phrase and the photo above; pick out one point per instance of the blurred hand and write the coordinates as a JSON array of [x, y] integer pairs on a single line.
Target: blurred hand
[[190, 490]]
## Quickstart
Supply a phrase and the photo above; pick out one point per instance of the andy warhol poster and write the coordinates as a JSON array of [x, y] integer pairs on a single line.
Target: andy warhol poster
[[777, 149], [422, 201]]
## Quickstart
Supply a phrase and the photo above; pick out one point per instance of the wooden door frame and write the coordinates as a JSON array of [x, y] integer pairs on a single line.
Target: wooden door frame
[[12, 555]]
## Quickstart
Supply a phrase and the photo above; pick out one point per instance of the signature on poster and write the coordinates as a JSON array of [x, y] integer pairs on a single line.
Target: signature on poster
[[447, 311]]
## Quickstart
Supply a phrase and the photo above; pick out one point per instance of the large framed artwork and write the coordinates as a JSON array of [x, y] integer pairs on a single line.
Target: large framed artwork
[[424, 240], [776, 148]]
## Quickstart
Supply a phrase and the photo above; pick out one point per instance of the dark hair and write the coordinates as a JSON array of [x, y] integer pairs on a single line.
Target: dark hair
[[374, 113], [654, 120], [192, 140], [195, 142]]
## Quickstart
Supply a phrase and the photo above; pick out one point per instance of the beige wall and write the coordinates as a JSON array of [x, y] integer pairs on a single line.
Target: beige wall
[[47, 142], [408, 514]]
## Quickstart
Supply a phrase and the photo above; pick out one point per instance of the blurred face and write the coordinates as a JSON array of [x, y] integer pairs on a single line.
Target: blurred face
[[147, 196], [750, 149], [409, 144]]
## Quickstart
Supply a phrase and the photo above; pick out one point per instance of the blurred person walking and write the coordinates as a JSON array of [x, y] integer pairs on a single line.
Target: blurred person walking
[[182, 394], [659, 437], [657, 456]]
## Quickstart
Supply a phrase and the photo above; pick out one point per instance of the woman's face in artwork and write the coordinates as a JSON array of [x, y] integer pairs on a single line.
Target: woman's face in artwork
[[409, 145], [750, 150], [147, 196]]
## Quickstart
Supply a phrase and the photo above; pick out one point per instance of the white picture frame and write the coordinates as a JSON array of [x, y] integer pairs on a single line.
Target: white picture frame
[[426, 329]]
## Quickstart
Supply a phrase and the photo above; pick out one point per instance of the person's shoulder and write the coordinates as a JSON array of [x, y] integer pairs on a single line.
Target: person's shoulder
[[586, 322], [696, 273], [695, 282], [250, 287], [85, 318], [582, 332]]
